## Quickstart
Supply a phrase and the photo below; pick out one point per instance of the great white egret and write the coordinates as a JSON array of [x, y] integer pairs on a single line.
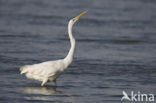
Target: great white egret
[[51, 70]]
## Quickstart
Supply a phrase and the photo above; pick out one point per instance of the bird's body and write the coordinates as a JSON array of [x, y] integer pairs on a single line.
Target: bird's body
[[46, 71], [51, 70]]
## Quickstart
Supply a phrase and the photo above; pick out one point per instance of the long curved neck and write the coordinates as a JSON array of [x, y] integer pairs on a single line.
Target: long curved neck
[[70, 55]]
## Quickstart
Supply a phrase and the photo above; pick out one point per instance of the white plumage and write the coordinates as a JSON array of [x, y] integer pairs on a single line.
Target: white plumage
[[51, 70]]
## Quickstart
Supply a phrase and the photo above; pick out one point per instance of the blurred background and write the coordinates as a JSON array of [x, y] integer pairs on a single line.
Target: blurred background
[[115, 49]]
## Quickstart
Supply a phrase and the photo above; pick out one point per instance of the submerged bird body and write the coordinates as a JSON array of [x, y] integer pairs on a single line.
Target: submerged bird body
[[51, 70]]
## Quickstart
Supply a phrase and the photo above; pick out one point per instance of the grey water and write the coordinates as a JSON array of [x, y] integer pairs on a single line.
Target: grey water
[[115, 49]]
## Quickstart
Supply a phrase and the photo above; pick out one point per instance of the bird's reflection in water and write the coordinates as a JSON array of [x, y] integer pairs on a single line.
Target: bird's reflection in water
[[46, 94], [41, 90]]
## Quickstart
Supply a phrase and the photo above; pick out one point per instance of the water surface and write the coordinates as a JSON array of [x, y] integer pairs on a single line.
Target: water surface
[[115, 49]]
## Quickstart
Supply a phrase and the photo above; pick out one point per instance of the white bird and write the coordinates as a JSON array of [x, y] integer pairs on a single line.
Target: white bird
[[51, 70]]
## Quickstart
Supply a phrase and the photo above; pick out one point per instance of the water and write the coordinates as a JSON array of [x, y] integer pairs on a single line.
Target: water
[[115, 49]]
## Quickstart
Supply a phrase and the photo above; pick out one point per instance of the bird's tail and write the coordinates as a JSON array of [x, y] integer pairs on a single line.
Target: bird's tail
[[23, 69]]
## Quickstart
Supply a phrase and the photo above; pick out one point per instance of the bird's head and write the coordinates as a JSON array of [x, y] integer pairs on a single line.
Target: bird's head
[[72, 21]]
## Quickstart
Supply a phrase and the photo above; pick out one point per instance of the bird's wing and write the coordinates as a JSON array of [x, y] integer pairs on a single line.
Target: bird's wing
[[43, 69]]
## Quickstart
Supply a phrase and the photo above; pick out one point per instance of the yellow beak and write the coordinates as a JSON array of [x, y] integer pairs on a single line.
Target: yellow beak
[[77, 17]]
